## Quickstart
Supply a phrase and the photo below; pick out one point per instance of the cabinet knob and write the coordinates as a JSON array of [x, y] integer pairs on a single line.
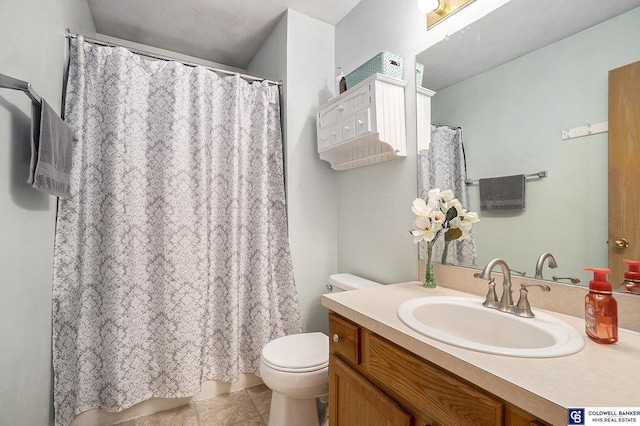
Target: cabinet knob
[[347, 128], [334, 134], [336, 338], [340, 107], [360, 122]]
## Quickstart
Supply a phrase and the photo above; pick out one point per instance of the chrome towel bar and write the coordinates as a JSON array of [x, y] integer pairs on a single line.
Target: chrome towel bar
[[13, 83]]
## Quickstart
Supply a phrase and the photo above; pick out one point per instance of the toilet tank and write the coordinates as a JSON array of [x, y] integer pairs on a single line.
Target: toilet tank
[[346, 282]]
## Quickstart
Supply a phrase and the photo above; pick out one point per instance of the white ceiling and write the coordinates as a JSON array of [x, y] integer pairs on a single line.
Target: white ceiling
[[231, 31], [511, 31], [228, 32]]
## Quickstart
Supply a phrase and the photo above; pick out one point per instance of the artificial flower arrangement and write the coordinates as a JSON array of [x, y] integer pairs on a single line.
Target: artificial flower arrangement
[[440, 214]]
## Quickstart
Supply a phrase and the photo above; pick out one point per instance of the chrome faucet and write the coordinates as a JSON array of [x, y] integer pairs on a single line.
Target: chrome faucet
[[540, 263], [506, 301], [522, 309]]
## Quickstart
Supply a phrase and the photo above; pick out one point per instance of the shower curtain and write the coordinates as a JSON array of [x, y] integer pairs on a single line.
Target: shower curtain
[[443, 166], [172, 264]]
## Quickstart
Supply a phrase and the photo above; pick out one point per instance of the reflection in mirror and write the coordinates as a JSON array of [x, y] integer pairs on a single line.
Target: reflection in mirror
[[443, 166], [512, 118]]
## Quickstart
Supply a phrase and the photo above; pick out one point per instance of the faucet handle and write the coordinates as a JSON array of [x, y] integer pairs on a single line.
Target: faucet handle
[[572, 279], [523, 308], [491, 301]]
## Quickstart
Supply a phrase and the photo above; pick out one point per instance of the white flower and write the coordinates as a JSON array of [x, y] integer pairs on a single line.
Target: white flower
[[435, 217], [421, 208], [447, 195], [439, 217], [464, 222], [471, 217], [425, 228], [452, 202], [434, 194]]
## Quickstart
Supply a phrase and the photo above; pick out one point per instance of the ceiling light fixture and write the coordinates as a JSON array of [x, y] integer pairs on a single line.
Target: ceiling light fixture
[[427, 6], [438, 10]]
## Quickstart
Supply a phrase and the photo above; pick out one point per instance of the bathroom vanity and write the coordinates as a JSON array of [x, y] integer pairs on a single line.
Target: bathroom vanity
[[383, 372]]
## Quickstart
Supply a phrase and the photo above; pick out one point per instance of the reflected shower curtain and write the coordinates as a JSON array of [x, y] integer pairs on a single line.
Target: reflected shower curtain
[[443, 166], [172, 263]]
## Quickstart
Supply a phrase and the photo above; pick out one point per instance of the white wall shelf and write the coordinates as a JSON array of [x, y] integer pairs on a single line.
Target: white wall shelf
[[364, 125]]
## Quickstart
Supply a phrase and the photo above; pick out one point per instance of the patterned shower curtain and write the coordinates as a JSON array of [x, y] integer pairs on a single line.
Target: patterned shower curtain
[[443, 166], [172, 263]]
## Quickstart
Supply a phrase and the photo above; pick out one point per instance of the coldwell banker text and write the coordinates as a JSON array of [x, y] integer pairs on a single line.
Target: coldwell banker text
[[614, 416], [592, 416]]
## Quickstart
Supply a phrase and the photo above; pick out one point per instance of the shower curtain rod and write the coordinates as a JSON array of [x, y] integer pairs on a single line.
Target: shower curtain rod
[[71, 35], [446, 125]]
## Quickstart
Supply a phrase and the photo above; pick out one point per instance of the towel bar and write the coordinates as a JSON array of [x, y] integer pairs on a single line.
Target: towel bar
[[13, 83], [540, 174]]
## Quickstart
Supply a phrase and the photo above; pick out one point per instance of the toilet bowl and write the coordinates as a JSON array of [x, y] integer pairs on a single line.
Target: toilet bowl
[[296, 367]]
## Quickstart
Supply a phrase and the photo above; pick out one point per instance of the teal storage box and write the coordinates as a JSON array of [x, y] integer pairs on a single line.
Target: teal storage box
[[385, 63]]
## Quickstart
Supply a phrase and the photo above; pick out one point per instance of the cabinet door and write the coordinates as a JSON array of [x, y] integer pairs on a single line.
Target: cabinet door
[[353, 401], [517, 417], [429, 389]]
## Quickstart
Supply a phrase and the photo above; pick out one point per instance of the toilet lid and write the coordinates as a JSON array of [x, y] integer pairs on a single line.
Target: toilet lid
[[307, 351]]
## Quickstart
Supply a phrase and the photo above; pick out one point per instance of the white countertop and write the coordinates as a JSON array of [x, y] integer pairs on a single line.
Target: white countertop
[[597, 376]]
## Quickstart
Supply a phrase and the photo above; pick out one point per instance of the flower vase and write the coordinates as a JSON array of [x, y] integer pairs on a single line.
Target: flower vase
[[429, 278]]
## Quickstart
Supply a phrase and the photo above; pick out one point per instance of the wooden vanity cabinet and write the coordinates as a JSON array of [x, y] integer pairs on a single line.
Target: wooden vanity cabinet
[[375, 382], [358, 402]]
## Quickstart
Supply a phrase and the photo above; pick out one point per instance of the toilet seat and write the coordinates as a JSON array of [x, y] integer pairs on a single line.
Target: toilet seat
[[297, 353]]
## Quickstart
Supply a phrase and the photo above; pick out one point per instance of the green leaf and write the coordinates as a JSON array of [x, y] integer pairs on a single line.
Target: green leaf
[[451, 214]]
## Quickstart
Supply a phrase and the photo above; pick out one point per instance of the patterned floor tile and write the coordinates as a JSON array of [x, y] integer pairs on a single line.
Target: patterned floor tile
[[261, 397], [185, 415], [224, 410], [256, 421], [247, 407]]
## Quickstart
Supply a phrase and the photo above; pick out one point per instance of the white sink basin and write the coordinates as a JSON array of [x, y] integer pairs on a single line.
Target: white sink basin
[[466, 323]]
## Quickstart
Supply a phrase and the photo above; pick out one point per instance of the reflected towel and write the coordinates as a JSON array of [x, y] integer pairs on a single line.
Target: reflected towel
[[502, 193], [51, 144]]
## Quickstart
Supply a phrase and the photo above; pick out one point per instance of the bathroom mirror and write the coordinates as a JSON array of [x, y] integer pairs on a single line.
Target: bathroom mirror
[[513, 100]]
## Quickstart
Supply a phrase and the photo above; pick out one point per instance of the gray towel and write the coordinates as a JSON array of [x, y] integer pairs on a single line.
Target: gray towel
[[51, 145], [502, 193]]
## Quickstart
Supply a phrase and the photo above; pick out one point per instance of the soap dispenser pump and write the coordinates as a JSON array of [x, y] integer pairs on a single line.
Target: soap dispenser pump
[[600, 308], [631, 283]]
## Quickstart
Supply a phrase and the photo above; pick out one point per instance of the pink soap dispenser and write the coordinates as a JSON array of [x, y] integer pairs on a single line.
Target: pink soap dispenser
[[631, 283], [600, 309]]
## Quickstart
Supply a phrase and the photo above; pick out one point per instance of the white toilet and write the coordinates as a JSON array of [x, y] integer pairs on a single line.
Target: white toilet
[[296, 367]]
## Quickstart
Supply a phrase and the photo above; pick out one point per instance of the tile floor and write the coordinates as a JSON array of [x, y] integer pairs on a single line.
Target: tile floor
[[246, 407]]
